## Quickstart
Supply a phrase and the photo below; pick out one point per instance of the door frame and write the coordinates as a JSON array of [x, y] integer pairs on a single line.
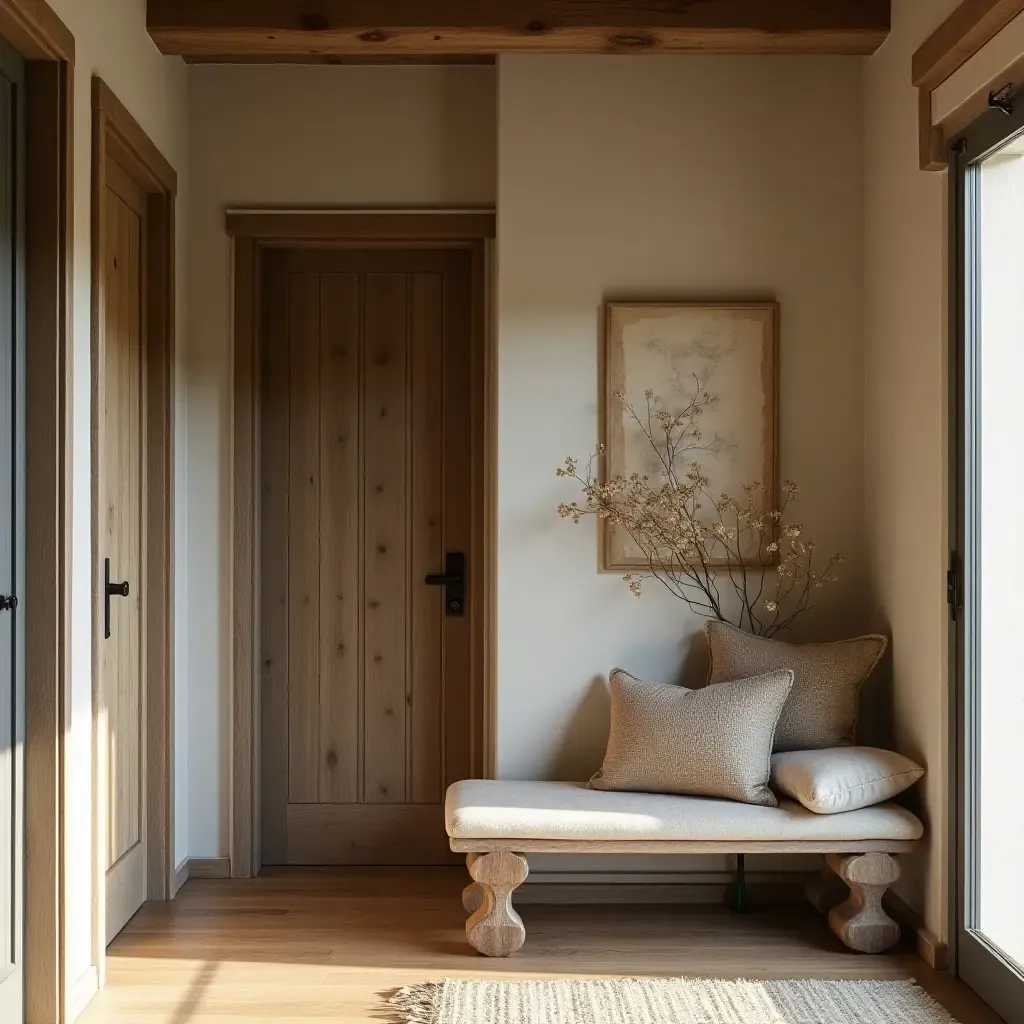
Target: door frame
[[966, 150], [251, 232], [38, 34], [117, 134]]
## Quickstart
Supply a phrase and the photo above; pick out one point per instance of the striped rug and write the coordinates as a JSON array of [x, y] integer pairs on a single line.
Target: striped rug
[[667, 1001]]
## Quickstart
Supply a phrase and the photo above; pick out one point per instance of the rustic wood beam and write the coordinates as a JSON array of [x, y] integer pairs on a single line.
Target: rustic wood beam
[[973, 24], [440, 28]]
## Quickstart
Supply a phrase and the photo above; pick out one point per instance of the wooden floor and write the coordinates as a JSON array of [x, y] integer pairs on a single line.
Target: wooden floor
[[330, 946]]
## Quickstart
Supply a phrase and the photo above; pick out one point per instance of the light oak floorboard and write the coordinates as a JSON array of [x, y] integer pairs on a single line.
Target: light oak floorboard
[[328, 945]]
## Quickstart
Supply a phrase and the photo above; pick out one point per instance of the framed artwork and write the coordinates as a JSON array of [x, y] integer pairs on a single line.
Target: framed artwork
[[726, 352]]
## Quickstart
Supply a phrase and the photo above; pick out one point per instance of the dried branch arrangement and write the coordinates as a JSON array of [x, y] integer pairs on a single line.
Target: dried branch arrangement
[[700, 546]]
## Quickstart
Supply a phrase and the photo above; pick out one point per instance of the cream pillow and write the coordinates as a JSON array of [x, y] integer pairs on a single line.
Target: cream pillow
[[844, 778], [822, 709], [712, 742]]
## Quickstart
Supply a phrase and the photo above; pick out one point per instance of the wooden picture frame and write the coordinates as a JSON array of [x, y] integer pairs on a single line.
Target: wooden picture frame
[[732, 348]]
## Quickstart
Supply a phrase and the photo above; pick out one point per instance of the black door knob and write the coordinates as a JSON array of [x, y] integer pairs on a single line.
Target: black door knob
[[453, 579], [110, 590]]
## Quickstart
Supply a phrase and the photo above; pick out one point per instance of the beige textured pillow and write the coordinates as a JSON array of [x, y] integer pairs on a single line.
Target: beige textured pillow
[[822, 709], [843, 778], [711, 742]]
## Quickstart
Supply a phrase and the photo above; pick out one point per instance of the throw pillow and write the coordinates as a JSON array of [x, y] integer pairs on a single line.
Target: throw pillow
[[712, 742], [822, 709], [844, 778]]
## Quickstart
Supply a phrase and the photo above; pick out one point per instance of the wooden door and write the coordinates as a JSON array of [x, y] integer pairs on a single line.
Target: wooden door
[[366, 488], [122, 693], [12, 632]]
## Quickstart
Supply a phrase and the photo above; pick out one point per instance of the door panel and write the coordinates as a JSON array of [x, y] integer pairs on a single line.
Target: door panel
[[366, 456], [123, 693], [12, 675]]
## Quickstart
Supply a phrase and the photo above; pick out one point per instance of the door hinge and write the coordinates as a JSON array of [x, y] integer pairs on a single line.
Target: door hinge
[[954, 585]]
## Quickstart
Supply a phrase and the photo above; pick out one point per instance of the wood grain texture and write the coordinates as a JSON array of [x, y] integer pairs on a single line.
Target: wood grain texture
[[669, 846], [366, 834], [34, 29], [303, 539], [436, 253], [340, 60], [387, 462], [931, 139], [349, 226], [48, 367], [494, 928], [405, 27], [970, 27], [425, 686], [128, 142], [128, 166], [275, 477], [860, 921], [341, 515], [311, 945], [245, 641], [460, 519]]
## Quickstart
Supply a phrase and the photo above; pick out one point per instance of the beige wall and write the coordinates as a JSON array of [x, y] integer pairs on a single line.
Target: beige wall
[[287, 136], [905, 436], [111, 41], [694, 178]]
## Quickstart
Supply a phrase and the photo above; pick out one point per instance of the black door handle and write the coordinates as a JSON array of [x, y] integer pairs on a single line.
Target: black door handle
[[8, 604], [110, 590], [453, 579]]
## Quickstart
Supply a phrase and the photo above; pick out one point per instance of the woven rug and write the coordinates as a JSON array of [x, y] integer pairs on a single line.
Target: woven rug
[[667, 1001]]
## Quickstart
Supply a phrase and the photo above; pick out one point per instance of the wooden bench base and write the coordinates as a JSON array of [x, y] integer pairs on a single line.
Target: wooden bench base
[[849, 891], [854, 909]]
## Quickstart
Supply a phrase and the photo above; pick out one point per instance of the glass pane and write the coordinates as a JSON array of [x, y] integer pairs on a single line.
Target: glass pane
[[999, 739]]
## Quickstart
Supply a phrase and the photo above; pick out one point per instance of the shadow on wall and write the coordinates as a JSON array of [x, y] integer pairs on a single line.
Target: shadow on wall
[[467, 154], [581, 748], [582, 744]]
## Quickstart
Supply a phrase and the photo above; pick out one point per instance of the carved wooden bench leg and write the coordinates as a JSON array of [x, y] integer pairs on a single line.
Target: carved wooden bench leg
[[861, 922], [473, 894], [495, 929]]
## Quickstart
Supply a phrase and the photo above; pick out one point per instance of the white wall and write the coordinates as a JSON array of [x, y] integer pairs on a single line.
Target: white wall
[[111, 42], [303, 136], [692, 177], [905, 438]]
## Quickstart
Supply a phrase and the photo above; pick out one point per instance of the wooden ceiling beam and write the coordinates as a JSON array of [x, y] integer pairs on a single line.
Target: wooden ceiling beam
[[970, 27], [200, 29]]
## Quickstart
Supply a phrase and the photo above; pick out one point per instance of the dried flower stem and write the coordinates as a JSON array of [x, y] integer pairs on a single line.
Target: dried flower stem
[[691, 539]]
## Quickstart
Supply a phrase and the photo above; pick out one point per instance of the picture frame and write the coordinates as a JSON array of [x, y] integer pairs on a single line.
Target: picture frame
[[732, 348]]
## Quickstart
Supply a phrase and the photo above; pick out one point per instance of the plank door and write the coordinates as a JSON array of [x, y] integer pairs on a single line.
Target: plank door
[[122, 693], [12, 631], [365, 489]]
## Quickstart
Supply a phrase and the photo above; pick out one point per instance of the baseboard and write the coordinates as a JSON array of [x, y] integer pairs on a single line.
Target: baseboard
[[930, 948], [82, 992], [208, 867], [180, 877], [657, 887]]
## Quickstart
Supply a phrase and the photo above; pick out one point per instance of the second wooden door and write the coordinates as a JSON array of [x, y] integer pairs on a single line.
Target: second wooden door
[[366, 491], [121, 691]]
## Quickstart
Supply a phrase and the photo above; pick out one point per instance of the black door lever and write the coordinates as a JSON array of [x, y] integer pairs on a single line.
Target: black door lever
[[110, 590], [453, 579]]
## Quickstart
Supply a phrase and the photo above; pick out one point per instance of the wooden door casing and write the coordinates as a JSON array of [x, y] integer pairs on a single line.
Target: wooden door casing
[[122, 507], [366, 478], [12, 538]]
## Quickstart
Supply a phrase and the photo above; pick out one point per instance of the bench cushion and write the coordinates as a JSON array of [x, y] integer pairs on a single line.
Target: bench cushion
[[571, 811]]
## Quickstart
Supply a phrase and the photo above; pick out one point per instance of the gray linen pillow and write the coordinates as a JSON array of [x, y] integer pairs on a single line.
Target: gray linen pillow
[[822, 709], [713, 742]]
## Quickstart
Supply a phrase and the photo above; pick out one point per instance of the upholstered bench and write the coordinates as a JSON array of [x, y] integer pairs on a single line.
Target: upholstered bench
[[498, 823]]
